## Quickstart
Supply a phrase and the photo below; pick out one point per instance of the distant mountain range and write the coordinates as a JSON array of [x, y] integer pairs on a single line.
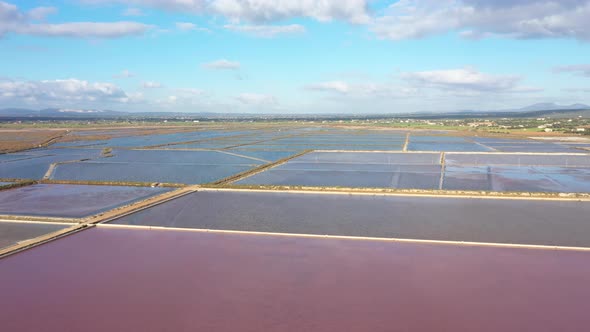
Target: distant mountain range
[[536, 110], [92, 114], [552, 107], [55, 112]]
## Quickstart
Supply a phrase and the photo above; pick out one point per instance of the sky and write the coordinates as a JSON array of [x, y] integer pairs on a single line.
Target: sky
[[295, 57]]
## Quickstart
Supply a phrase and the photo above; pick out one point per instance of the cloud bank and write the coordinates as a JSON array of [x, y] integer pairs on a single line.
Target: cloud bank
[[261, 11], [403, 19], [222, 64], [521, 19], [62, 91], [13, 20], [267, 31]]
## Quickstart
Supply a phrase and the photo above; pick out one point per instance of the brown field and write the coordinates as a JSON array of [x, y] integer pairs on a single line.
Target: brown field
[[16, 140], [121, 132]]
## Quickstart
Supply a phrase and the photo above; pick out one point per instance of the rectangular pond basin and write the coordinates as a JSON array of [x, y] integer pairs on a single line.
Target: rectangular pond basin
[[147, 172], [12, 233], [155, 280], [16, 156], [177, 157], [520, 173], [70, 201], [447, 146], [164, 166], [349, 169], [565, 173], [532, 147], [264, 155], [277, 146], [495, 159], [561, 223], [36, 164], [518, 179]]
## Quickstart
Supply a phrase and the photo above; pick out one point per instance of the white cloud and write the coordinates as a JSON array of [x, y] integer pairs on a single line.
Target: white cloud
[[191, 99], [446, 89], [577, 90], [151, 85], [184, 96], [187, 26], [124, 74], [466, 79], [583, 70], [403, 19], [191, 92], [133, 12], [13, 20], [60, 92], [354, 11], [192, 6], [267, 31], [255, 99], [360, 90], [331, 86], [40, 13], [222, 64], [86, 29], [483, 18]]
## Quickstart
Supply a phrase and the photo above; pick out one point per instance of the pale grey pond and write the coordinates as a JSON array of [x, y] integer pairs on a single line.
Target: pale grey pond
[[562, 223]]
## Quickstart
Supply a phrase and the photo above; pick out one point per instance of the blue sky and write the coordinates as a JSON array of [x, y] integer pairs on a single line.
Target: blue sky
[[282, 56]]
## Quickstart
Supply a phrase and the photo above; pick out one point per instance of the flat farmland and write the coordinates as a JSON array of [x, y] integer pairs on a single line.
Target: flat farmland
[[535, 222], [70, 201], [154, 280]]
